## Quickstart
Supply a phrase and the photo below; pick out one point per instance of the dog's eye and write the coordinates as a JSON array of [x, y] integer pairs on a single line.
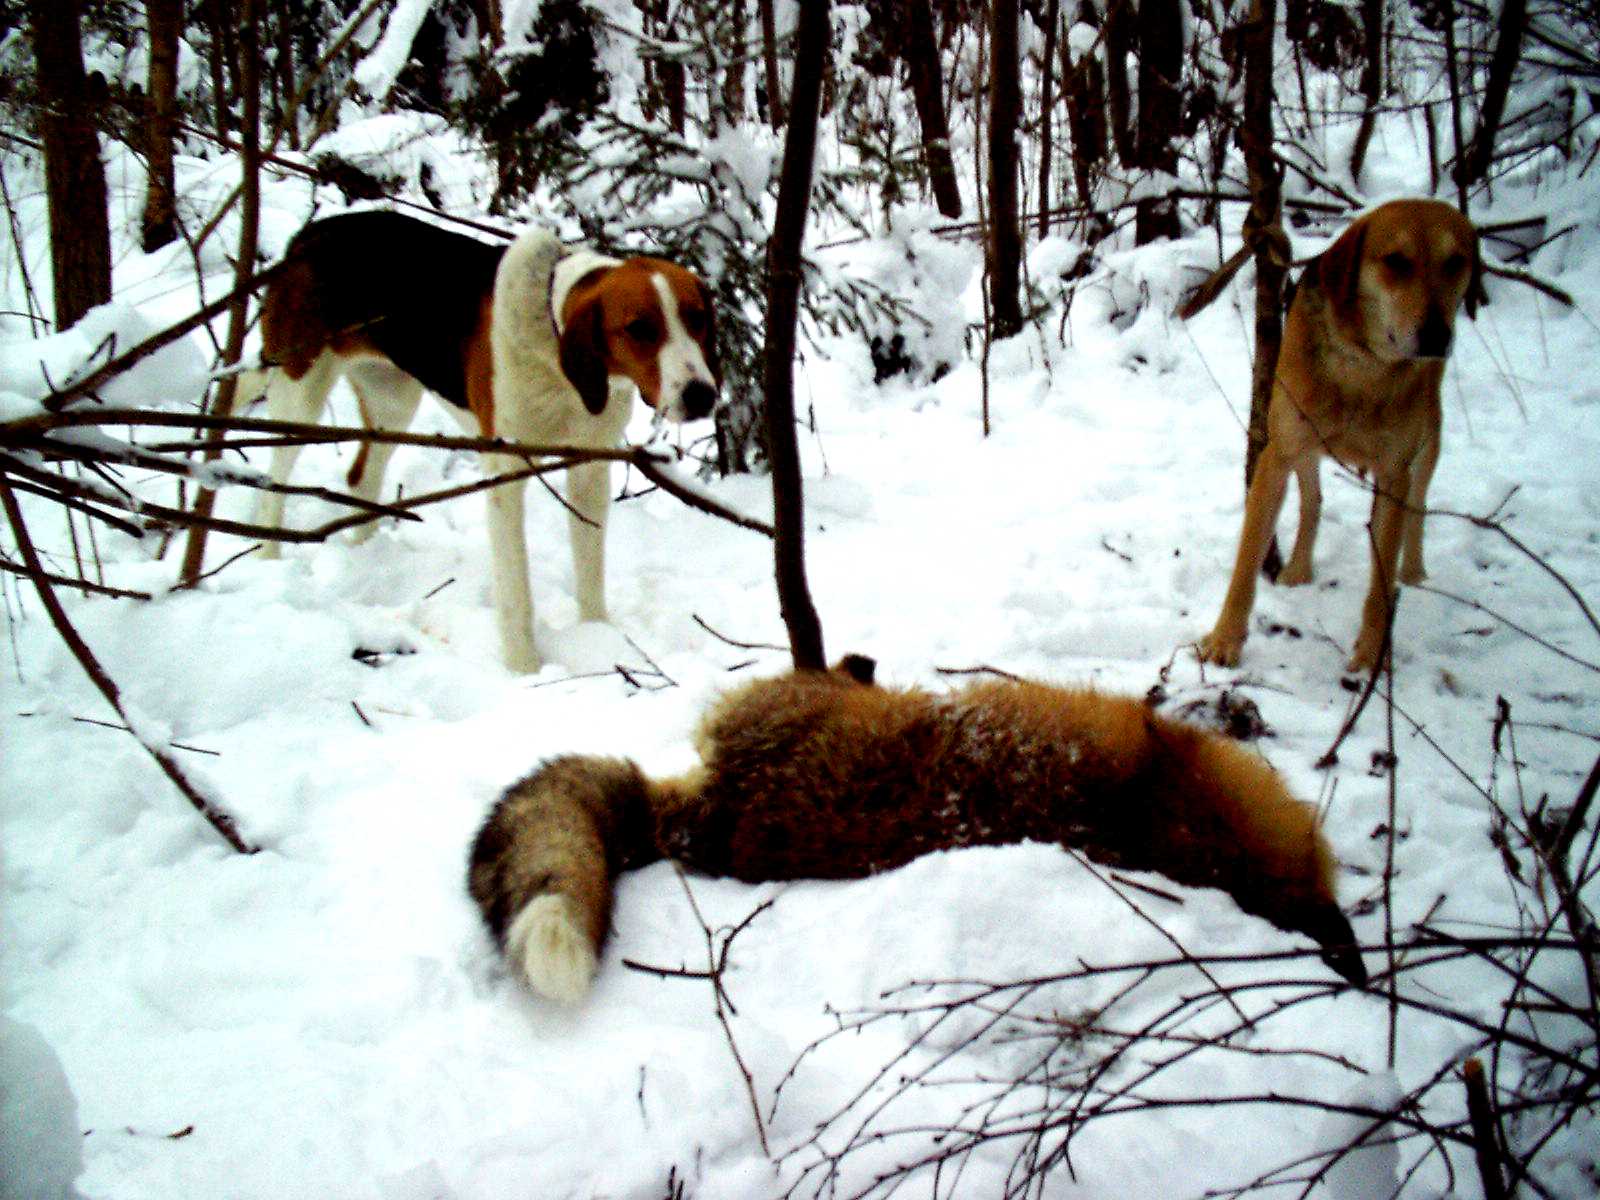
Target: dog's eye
[[1398, 264], [1455, 264], [694, 320], [641, 329]]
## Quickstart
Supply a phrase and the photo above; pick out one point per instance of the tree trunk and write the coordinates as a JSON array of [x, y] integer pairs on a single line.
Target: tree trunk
[[1005, 109], [1052, 22], [224, 59], [769, 59], [75, 179], [783, 311], [1121, 32], [1083, 83], [1160, 66], [165, 20], [1507, 52], [1371, 84], [674, 78], [1263, 229], [244, 268], [927, 89], [733, 74]]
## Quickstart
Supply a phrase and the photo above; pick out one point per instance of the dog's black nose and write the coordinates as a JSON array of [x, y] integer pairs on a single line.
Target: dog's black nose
[[698, 400], [1433, 339]]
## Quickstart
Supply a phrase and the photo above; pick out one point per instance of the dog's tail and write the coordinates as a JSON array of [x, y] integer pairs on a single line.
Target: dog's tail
[[542, 866]]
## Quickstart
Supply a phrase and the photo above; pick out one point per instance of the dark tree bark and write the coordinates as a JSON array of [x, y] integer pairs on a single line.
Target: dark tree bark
[[674, 84], [1160, 100], [1052, 22], [75, 179], [1371, 83], [733, 74], [769, 59], [1507, 52], [1084, 84], [224, 61], [927, 89], [783, 312], [165, 21], [1263, 230], [1121, 33], [1005, 232], [249, 218]]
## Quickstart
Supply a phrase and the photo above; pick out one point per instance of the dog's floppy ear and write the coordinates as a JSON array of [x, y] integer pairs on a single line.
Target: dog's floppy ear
[[1477, 295], [713, 358], [1339, 268], [583, 355]]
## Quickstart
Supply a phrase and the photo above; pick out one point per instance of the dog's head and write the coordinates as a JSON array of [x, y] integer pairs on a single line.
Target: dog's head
[[1397, 276], [651, 321]]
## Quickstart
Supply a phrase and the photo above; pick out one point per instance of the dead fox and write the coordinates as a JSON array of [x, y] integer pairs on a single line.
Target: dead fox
[[824, 775]]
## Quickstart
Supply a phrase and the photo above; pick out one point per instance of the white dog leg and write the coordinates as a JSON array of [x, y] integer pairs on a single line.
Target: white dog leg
[[389, 399], [300, 400], [589, 493], [508, 553]]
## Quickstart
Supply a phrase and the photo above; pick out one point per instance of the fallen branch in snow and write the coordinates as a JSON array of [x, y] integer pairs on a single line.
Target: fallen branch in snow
[[1117, 1039], [715, 968], [205, 805]]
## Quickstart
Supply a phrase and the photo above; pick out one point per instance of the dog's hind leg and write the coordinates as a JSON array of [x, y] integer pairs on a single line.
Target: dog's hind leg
[[1307, 475], [388, 399], [299, 400], [589, 494]]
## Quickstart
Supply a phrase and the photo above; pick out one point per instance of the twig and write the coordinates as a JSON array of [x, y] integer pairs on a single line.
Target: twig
[[219, 820], [736, 644], [716, 965]]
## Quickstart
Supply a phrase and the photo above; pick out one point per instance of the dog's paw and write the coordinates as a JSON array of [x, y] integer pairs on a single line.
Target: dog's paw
[[1294, 573], [547, 943], [1220, 646], [1412, 573], [1365, 656]]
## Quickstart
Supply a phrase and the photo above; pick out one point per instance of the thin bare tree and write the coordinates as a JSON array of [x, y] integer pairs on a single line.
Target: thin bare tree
[[783, 312]]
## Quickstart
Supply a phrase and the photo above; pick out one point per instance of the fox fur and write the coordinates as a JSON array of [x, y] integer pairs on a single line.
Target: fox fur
[[824, 775]]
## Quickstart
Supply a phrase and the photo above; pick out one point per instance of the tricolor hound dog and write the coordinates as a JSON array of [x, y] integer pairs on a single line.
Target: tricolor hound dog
[[530, 342]]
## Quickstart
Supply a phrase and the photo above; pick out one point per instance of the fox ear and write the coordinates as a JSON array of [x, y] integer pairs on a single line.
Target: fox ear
[[583, 355], [1339, 268]]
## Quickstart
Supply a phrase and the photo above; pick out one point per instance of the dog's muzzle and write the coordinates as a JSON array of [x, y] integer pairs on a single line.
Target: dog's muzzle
[[1433, 339], [697, 400]]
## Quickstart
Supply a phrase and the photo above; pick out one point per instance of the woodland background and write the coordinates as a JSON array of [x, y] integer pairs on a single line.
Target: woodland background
[[1010, 202]]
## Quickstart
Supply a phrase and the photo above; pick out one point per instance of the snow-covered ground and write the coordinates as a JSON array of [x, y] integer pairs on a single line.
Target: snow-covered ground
[[327, 1017]]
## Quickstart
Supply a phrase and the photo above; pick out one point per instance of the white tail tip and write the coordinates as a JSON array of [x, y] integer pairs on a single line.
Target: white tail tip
[[548, 943]]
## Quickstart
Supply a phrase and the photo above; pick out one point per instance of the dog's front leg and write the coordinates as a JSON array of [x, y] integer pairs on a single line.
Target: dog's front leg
[[589, 493], [1411, 565], [508, 564], [1223, 643], [1385, 531]]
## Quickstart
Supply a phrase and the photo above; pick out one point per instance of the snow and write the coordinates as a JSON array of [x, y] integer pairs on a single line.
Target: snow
[[383, 64], [328, 1018]]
